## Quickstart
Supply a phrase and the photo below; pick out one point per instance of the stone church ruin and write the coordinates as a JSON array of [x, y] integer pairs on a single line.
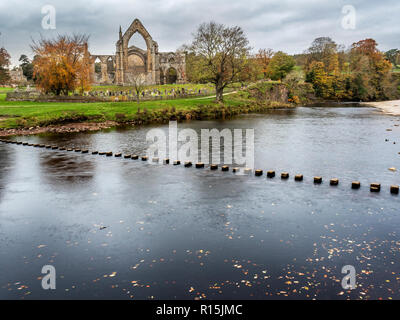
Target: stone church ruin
[[131, 62]]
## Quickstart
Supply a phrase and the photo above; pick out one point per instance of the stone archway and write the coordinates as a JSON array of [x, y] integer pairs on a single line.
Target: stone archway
[[137, 26], [155, 63], [100, 67], [171, 75]]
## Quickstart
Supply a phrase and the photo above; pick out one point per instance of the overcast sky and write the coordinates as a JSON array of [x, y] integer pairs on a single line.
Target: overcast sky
[[287, 25]]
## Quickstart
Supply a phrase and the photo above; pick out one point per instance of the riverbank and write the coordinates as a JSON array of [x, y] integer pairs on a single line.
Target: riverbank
[[28, 117], [129, 115], [67, 128], [389, 107]]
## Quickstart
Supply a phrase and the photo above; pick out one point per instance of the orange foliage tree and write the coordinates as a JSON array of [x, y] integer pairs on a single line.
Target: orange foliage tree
[[62, 65], [263, 58], [4, 63], [371, 70]]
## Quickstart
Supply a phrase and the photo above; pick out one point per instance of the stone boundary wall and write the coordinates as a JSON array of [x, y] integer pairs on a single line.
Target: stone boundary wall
[[37, 97]]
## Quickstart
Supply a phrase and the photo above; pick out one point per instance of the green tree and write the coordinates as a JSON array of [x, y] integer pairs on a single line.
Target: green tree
[[280, 65], [26, 66], [393, 56]]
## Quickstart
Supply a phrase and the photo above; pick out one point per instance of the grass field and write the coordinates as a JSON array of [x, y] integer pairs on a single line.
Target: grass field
[[15, 114]]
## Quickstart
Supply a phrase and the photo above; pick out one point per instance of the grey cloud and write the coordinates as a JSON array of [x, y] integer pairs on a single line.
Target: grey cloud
[[286, 25]]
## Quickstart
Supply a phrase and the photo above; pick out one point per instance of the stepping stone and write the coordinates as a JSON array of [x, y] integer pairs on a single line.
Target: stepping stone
[[298, 177], [375, 187], [271, 174], [334, 182], [317, 180], [356, 185]]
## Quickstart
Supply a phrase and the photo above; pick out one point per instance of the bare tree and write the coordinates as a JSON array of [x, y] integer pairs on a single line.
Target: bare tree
[[221, 53], [138, 80]]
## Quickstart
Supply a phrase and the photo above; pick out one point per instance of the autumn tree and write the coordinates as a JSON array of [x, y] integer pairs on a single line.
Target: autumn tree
[[221, 53], [4, 63], [325, 50], [371, 71], [62, 64], [263, 58], [361, 74], [251, 70], [280, 65]]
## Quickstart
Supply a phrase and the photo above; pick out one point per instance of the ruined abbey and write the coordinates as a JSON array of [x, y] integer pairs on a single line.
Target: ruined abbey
[[129, 62]]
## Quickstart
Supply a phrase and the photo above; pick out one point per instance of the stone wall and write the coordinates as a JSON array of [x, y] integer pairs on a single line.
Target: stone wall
[[108, 96], [36, 96], [17, 76]]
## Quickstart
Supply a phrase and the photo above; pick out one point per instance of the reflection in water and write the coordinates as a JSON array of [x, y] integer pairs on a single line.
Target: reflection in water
[[65, 168], [118, 228], [6, 155]]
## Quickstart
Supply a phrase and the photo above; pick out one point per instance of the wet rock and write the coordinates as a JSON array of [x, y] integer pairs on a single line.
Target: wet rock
[[298, 177], [199, 165], [317, 180], [375, 187], [284, 175], [394, 189], [334, 182], [271, 174], [356, 185]]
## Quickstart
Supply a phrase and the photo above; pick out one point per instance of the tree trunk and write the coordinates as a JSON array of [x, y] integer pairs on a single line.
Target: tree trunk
[[219, 93]]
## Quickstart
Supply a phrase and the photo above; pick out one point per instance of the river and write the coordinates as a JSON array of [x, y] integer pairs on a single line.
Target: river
[[115, 228]]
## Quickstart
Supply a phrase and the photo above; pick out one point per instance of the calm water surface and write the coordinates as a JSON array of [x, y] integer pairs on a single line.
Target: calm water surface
[[178, 233]]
